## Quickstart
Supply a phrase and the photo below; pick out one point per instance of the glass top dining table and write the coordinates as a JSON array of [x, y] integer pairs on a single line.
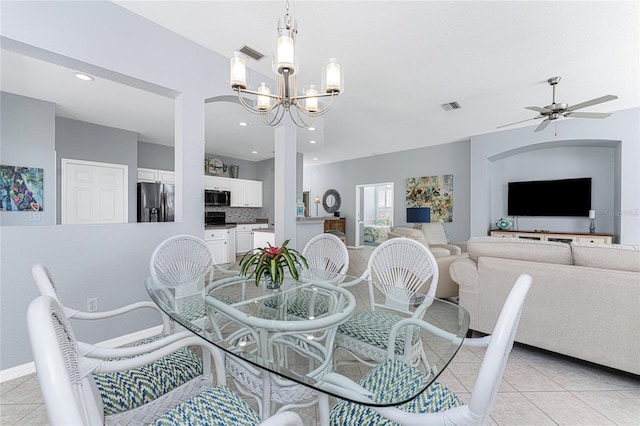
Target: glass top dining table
[[291, 331]]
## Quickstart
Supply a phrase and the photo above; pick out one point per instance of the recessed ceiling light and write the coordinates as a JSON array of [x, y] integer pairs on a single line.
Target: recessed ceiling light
[[242, 123], [254, 152], [83, 77], [312, 128], [315, 158], [312, 141]]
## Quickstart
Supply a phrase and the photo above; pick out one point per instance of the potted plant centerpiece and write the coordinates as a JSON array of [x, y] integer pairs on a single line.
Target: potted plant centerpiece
[[271, 262]]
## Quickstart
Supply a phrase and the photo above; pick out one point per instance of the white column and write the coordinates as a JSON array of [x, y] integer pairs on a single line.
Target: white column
[[285, 183]]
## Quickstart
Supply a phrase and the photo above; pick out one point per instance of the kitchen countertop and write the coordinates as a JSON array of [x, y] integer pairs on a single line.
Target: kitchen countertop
[[225, 226], [271, 230], [233, 225]]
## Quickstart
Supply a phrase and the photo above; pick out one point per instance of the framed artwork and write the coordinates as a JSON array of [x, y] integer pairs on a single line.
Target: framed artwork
[[21, 188], [435, 192]]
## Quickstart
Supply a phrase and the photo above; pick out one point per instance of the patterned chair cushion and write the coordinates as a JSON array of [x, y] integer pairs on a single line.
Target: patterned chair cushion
[[125, 390], [218, 405], [300, 306], [388, 381], [374, 327], [192, 308]]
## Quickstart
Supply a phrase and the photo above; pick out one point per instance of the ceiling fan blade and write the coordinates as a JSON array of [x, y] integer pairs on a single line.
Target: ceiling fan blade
[[587, 114], [595, 101], [542, 125], [538, 109], [518, 122]]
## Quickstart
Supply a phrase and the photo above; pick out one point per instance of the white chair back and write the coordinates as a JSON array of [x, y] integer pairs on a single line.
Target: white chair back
[[182, 258], [400, 268], [327, 253], [500, 345], [68, 395]]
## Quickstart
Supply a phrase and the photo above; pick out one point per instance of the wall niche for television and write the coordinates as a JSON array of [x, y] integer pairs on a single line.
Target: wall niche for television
[[555, 161]]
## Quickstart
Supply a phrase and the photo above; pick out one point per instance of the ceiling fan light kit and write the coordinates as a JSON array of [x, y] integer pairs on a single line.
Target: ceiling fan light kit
[[556, 110], [272, 106]]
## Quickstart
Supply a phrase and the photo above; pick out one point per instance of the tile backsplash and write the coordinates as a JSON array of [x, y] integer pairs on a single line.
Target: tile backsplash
[[238, 214]]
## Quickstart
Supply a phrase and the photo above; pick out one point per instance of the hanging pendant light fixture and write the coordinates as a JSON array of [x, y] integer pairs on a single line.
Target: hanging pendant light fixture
[[272, 106]]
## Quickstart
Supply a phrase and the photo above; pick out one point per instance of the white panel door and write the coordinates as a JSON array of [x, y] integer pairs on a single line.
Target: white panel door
[[93, 192]]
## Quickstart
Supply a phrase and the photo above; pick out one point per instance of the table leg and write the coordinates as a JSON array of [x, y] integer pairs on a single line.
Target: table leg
[[266, 395], [323, 408]]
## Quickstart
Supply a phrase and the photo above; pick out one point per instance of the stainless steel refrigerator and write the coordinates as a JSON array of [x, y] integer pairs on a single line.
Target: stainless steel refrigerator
[[156, 202]]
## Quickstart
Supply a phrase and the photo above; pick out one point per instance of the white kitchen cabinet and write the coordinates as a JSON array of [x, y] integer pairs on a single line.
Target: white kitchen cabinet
[[219, 241], [245, 193], [231, 245], [244, 239], [244, 236], [260, 239], [217, 183], [154, 175]]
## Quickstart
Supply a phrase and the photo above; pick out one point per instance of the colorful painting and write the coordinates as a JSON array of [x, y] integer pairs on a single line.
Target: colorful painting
[[21, 188], [435, 192]]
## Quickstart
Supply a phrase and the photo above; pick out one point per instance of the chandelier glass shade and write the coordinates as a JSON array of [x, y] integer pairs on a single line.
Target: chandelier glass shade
[[272, 105]]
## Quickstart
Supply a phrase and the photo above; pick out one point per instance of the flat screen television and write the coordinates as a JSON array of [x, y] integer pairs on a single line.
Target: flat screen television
[[563, 197]]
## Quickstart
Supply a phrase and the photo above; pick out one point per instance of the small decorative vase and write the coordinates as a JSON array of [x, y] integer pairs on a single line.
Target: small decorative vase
[[271, 285], [504, 224]]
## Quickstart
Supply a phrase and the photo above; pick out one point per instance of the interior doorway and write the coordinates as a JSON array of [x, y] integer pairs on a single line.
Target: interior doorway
[[374, 213]]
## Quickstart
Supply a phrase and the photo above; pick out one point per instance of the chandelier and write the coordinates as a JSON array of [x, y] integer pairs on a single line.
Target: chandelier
[[273, 106]]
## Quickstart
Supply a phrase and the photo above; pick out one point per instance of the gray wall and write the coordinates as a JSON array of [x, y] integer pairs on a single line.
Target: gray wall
[[155, 156], [443, 159], [27, 139], [107, 261], [91, 142]]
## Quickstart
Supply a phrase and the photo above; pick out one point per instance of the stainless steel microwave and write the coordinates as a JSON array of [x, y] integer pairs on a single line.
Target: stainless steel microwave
[[217, 198]]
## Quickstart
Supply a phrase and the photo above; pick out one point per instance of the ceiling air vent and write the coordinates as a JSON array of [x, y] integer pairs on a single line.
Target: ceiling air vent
[[450, 106], [252, 53]]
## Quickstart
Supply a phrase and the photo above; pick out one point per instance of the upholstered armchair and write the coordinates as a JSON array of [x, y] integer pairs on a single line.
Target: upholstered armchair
[[435, 236]]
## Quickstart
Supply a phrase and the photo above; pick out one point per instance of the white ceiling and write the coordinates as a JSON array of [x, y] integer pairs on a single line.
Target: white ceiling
[[401, 61]]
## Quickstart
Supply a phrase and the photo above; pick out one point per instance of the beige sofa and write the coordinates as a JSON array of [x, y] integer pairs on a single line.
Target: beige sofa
[[584, 301], [446, 287]]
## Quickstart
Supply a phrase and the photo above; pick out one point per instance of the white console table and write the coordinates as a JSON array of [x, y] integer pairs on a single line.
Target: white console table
[[563, 237]]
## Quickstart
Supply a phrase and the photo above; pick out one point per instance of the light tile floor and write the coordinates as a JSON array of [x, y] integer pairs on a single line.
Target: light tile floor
[[538, 388]]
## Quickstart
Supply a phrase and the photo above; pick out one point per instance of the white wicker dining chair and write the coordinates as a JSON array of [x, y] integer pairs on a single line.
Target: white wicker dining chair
[[398, 269], [327, 253], [184, 261], [438, 405], [66, 378], [184, 364]]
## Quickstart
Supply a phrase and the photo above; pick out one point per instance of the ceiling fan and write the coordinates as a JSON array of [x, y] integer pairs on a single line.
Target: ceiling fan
[[557, 110]]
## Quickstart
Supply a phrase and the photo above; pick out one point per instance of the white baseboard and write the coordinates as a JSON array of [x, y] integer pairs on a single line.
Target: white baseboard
[[30, 367], [17, 371]]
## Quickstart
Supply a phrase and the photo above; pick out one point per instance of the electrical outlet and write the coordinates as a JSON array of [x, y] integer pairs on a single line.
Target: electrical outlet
[[92, 304]]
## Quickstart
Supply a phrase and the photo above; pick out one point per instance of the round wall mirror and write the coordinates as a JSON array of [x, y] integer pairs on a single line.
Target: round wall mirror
[[331, 201]]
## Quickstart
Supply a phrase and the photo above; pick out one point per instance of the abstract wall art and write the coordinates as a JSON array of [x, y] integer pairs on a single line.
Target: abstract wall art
[[21, 188], [435, 192]]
